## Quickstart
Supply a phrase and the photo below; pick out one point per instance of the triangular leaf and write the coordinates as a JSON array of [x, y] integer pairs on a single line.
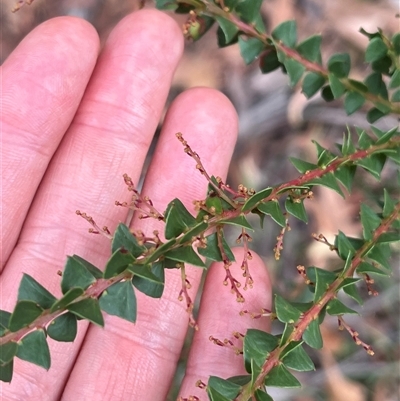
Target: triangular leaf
[[177, 219], [68, 297], [248, 10], [4, 321], [285, 312], [88, 309], [312, 335], [369, 220], [272, 209], [352, 291], [75, 275], [118, 262], [323, 279], [302, 166], [345, 174], [296, 208], [120, 300], [124, 239], [161, 250], [151, 288], [335, 308], [212, 251], [256, 198], [93, 270], [310, 48], [228, 29], [344, 246], [34, 348], [257, 345], [63, 328], [31, 290], [7, 352], [240, 221], [312, 83], [353, 101], [185, 254], [294, 70], [224, 387], [337, 88], [297, 359], [145, 272], [286, 32], [250, 48], [262, 396], [339, 65], [279, 376], [25, 313], [6, 372]]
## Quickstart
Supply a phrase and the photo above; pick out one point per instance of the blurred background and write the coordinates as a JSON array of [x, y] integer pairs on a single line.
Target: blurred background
[[277, 122]]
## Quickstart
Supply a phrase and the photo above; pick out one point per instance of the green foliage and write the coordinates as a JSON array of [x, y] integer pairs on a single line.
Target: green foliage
[[140, 263]]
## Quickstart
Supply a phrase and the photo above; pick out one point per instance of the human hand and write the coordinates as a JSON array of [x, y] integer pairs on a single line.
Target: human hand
[[73, 123]]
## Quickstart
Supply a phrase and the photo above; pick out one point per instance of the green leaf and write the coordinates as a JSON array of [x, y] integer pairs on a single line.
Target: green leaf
[[373, 163], [194, 232], [151, 288], [93, 270], [229, 31], [161, 250], [286, 32], [199, 27], [352, 291], [287, 332], [256, 198], [4, 321], [324, 156], [215, 395], [301, 165], [124, 239], [337, 88], [177, 219], [88, 309], [257, 345], [214, 205], [396, 96], [120, 300], [295, 71], [279, 376], [269, 61], [323, 279], [76, 275], [239, 221], [166, 4], [386, 136], [367, 268], [262, 396], [144, 271], [285, 312], [376, 85], [312, 83], [272, 209], [369, 221], [25, 313], [383, 65], [248, 10], [224, 387], [63, 328], [348, 281], [395, 80], [294, 357], [339, 65], [353, 101], [328, 180], [327, 94], [7, 352], [345, 174], [250, 48], [31, 290], [68, 297], [118, 262], [185, 254], [34, 348], [311, 48], [312, 335], [241, 380], [374, 114], [344, 246], [6, 372], [255, 370], [335, 308], [388, 204], [381, 253], [376, 49], [212, 250], [296, 208], [396, 43]]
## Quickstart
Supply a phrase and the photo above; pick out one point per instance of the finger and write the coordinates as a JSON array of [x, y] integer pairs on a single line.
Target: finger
[[43, 81], [109, 136], [138, 361], [219, 318]]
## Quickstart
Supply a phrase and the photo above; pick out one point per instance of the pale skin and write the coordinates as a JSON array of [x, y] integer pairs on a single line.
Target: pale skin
[[73, 122]]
